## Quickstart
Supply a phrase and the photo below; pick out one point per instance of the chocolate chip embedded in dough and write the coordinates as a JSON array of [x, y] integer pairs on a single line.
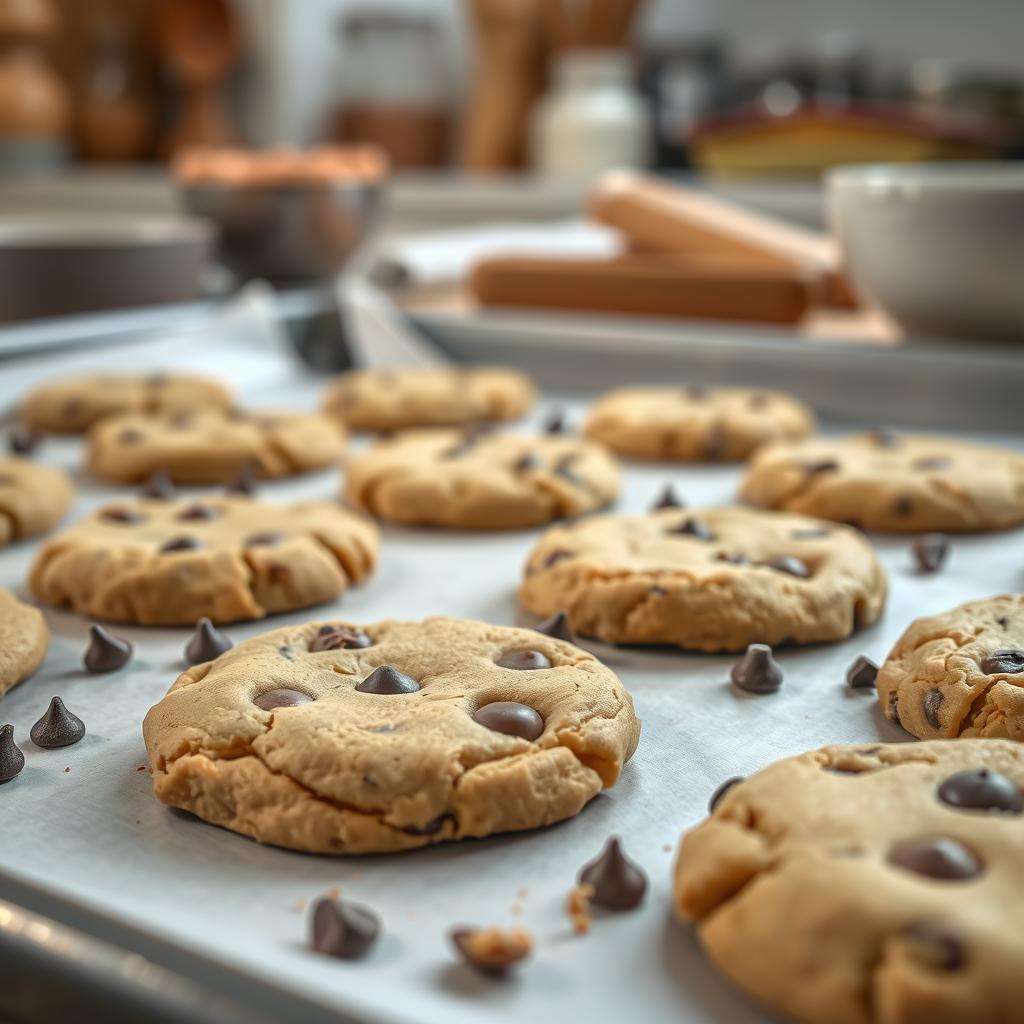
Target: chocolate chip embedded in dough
[[938, 946], [281, 697], [790, 565], [180, 543], [336, 636], [1006, 662], [23, 440], [510, 718], [721, 791], [387, 681], [938, 857], [691, 527], [160, 486], [981, 789], [932, 703], [523, 660]]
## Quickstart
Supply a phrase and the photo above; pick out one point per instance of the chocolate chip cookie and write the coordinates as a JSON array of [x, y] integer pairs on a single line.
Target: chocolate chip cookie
[[337, 738], [891, 482], [24, 639], [72, 405], [480, 481], [960, 673], [385, 400], [714, 579], [695, 424], [213, 446], [170, 563], [867, 884], [33, 498]]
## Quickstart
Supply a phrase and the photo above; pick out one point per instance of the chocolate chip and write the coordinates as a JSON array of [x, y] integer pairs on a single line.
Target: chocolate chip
[[938, 946], [721, 791], [129, 436], [902, 506], [810, 533], [690, 527], [22, 439], [1008, 662], [58, 727], [862, 673], [268, 539], [932, 703], [667, 499], [526, 462], [181, 420], [281, 697], [732, 559], [243, 483], [199, 512], [932, 462], [342, 929], [524, 661], [556, 556], [511, 718], [106, 652], [206, 643], [759, 400], [156, 380], [715, 443], [386, 681], [930, 551], [160, 486], [181, 543], [563, 467], [1002, 621], [891, 704], [558, 627], [981, 789], [936, 857], [120, 514], [464, 446], [72, 408], [12, 760], [820, 466], [333, 636], [789, 564], [695, 392], [757, 672], [884, 438], [617, 882], [491, 950], [555, 422]]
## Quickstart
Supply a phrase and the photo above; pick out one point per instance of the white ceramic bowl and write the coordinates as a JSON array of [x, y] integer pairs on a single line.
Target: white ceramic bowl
[[939, 247]]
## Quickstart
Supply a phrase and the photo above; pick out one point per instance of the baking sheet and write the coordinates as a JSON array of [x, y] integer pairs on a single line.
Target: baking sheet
[[81, 825]]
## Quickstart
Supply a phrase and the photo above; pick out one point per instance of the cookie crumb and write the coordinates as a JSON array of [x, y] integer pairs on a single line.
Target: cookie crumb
[[577, 907], [522, 892], [516, 909], [68, 769], [299, 905], [141, 768], [334, 892], [492, 950], [667, 848]]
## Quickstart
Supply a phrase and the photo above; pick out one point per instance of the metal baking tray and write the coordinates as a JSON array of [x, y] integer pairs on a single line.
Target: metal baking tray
[[84, 843]]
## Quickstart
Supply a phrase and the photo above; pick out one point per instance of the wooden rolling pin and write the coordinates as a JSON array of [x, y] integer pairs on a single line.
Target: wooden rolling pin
[[650, 284], [659, 217]]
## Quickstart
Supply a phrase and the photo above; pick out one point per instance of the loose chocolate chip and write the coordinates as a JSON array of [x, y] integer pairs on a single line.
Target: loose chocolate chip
[[106, 652], [526, 462], [491, 950], [862, 673], [883, 438], [556, 556], [524, 661], [160, 486], [268, 539], [820, 466], [789, 564], [206, 643], [182, 543], [691, 527], [555, 423], [243, 483], [617, 882], [58, 727], [342, 929], [129, 436], [930, 551], [936, 857], [667, 499], [386, 681], [810, 533], [334, 636], [932, 462], [281, 698], [23, 440], [12, 760], [938, 946], [721, 791], [1009, 662], [119, 514], [199, 512], [758, 671], [981, 789], [902, 506], [932, 703], [511, 718], [558, 627]]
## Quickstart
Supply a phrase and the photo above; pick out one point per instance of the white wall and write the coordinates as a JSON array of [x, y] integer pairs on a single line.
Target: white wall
[[296, 50]]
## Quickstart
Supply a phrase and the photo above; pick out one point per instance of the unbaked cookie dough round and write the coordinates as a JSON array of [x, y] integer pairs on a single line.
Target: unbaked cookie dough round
[[33, 498], [24, 639]]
